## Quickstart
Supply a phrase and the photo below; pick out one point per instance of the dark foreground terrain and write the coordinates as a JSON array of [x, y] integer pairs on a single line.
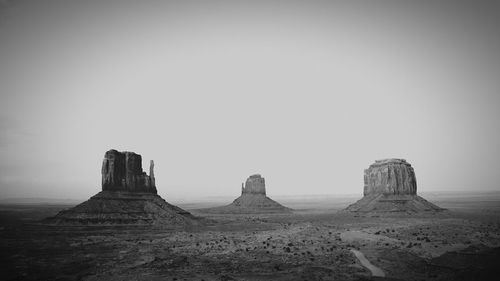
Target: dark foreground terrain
[[315, 242]]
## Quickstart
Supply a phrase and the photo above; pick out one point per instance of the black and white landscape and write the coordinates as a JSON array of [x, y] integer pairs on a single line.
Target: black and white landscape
[[249, 140]]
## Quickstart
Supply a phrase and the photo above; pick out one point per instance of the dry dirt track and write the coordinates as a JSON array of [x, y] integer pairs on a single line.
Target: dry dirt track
[[306, 245]]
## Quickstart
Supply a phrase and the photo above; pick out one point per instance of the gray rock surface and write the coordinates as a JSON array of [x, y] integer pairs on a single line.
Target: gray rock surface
[[255, 184], [390, 176], [123, 171]]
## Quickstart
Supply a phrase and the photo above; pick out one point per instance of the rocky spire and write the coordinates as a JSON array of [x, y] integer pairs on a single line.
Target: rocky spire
[[151, 173]]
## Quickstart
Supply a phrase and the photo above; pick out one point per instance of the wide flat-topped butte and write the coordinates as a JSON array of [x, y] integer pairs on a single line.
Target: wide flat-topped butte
[[390, 185]]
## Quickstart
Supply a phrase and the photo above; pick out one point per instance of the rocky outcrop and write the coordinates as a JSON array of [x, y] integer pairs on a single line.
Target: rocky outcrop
[[123, 171], [390, 176], [128, 196], [253, 200], [391, 186], [255, 184]]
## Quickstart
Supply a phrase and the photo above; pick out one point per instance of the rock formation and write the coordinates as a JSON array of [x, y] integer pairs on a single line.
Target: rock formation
[[123, 171], [128, 196], [390, 185], [255, 184], [390, 176], [253, 199]]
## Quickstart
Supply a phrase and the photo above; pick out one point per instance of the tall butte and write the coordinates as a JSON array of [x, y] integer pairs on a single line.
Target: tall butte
[[391, 186], [122, 171], [128, 196], [253, 199]]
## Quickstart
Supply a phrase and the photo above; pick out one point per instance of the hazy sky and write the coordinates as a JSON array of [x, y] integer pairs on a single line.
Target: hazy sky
[[308, 94]]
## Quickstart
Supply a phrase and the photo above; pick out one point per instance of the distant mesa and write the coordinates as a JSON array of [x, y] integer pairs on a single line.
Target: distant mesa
[[128, 196], [391, 186], [253, 199]]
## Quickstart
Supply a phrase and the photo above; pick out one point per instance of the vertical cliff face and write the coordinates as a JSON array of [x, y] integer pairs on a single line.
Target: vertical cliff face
[[255, 184], [113, 169], [123, 171], [390, 176]]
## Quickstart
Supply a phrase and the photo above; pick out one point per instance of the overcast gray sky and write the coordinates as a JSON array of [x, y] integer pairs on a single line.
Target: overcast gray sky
[[308, 94]]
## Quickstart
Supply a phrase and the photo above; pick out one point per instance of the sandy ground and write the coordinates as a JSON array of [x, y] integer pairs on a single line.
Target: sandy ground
[[309, 244]]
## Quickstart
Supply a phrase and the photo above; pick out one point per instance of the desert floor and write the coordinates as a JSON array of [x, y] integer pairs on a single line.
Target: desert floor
[[317, 242]]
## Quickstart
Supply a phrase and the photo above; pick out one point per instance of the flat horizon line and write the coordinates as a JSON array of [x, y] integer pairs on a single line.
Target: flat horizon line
[[59, 200]]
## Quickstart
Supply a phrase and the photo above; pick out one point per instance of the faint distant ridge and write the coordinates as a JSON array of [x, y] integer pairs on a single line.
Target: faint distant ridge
[[128, 196], [391, 187], [253, 199]]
